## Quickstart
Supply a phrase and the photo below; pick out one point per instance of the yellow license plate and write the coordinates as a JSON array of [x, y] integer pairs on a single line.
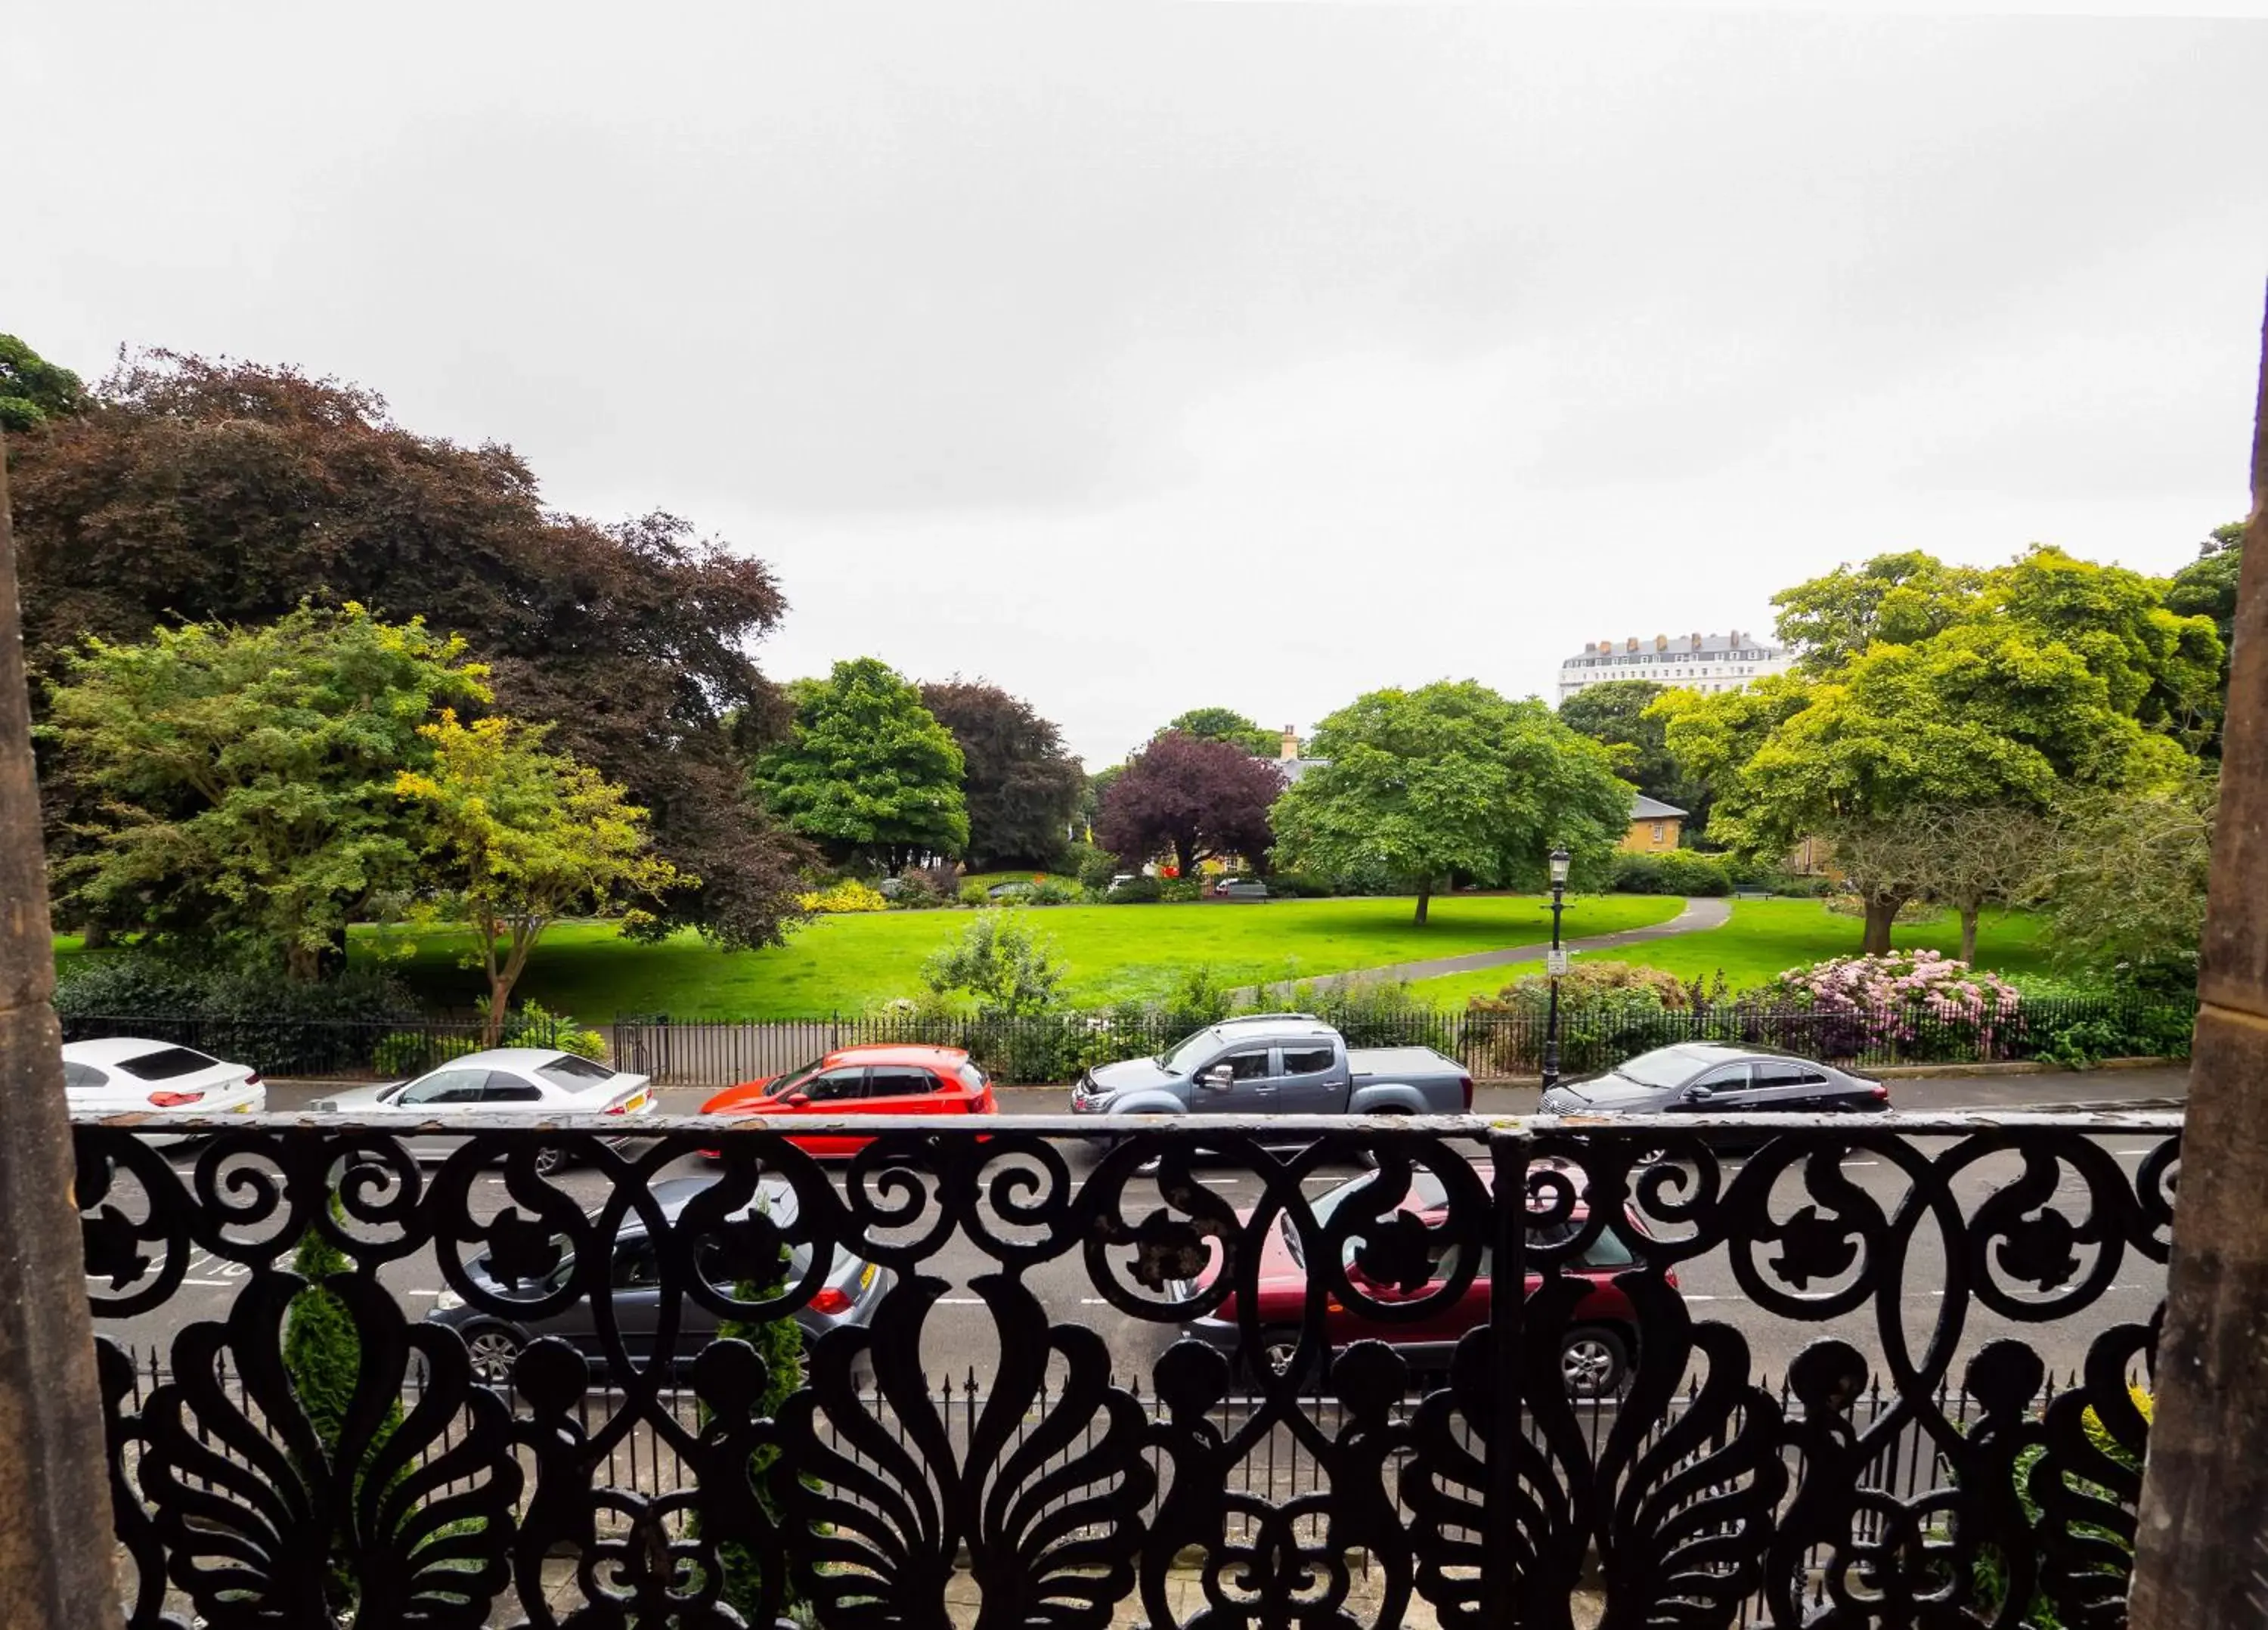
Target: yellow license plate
[[244, 1109], [635, 1104], [866, 1276]]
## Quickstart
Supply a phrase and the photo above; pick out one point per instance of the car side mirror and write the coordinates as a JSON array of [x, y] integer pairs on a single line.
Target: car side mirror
[[1699, 1095], [797, 1100], [1221, 1078]]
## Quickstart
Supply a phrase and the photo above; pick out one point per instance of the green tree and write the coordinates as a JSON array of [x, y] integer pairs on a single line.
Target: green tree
[[1022, 789], [521, 837], [242, 778], [1221, 724], [867, 771], [2207, 587], [1449, 779], [1619, 714], [33, 390], [1983, 714], [1895, 598], [1001, 961], [2125, 882]]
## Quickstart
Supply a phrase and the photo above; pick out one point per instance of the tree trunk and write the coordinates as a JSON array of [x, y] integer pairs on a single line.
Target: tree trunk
[[1185, 858], [1424, 898], [95, 936], [1969, 935], [500, 998], [1881, 911]]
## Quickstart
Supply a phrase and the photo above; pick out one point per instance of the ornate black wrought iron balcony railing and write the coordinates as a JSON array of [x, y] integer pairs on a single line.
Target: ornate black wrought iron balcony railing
[[1144, 1312]]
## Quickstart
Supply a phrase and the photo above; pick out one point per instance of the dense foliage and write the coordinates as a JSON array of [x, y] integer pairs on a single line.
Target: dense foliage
[[1620, 715], [1450, 780], [1001, 960], [33, 391], [240, 784], [867, 772], [1680, 872], [1222, 723], [1884, 999], [1021, 787], [230, 492]]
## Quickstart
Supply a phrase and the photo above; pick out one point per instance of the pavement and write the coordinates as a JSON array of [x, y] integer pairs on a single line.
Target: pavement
[[1699, 914]]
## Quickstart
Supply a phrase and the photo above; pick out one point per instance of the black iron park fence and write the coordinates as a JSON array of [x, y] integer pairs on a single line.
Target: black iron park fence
[[1124, 1448], [1054, 1048]]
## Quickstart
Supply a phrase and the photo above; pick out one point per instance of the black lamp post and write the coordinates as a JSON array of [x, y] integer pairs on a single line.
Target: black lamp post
[[1554, 967]]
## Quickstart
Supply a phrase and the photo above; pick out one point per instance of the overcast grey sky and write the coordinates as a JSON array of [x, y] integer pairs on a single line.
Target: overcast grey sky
[[1138, 358]]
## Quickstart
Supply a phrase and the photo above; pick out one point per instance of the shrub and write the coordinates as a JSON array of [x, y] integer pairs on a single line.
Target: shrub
[[1607, 1010], [1136, 891], [918, 889], [1180, 889], [1054, 891], [1920, 1002], [253, 1016], [413, 1053], [1094, 867], [1001, 962], [848, 896], [1680, 872], [1199, 998], [1299, 886], [533, 1026], [974, 893]]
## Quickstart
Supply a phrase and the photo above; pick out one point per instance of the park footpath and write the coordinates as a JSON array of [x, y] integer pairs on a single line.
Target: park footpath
[[1698, 915]]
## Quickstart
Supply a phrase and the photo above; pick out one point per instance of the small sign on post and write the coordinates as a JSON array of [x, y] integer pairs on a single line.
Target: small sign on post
[[1554, 961]]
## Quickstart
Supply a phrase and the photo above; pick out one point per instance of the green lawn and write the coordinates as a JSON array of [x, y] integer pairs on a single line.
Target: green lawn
[[844, 963], [1765, 937]]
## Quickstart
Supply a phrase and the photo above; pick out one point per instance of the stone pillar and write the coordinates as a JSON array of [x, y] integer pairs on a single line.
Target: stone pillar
[[56, 1568], [2202, 1557]]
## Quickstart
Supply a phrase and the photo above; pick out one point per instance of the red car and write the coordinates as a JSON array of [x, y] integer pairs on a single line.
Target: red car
[[883, 1078], [1595, 1355]]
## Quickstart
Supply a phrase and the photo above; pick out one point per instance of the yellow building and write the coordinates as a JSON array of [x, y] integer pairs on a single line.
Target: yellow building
[[1654, 825]]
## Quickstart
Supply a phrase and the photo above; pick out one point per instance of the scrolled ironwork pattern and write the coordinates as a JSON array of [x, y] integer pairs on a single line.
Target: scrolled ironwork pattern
[[1157, 1310]]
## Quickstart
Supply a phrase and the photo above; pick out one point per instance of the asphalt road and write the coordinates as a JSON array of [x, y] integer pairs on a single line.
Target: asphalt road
[[960, 1338]]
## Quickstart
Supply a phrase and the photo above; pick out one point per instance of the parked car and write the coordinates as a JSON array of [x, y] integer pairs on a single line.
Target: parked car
[[1276, 1063], [879, 1078], [123, 1074], [1693, 1077], [852, 1290], [1595, 1351], [1240, 888], [537, 1082]]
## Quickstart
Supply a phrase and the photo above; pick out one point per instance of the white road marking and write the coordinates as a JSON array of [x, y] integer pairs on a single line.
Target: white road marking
[[961, 1301], [422, 1292]]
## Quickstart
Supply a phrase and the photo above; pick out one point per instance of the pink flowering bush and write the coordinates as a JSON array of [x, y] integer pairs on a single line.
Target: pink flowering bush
[[1911, 1003]]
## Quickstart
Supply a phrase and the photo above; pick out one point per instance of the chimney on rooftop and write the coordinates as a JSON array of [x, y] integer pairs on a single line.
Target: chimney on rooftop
[[1631, 644], [1290, 750], [1696, 642]]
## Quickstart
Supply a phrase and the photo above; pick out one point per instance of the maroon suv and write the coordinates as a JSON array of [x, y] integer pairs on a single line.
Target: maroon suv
[[1595, 1353]]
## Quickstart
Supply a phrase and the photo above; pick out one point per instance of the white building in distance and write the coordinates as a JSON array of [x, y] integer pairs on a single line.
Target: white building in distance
[[1684, 662]]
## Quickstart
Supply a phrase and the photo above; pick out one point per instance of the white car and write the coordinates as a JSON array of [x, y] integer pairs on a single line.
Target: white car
[[126, 1075], [539, 1082]]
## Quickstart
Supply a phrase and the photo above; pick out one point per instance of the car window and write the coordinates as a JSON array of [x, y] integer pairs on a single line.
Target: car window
[[1664, 1067], [167, 1064], [1788, 1075], [634, 1263], [1247, 1067], [572, 1073], [1190, 1051], [81, 1077], [836, 1086], [1607, 1251], [1306, 1060], [1731, 1078], [445, 1086], [899, 1083], [505, 1087], [971, 1077]]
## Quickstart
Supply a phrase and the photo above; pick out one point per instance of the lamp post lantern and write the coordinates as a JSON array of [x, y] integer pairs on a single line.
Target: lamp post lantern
[[1554, 967]]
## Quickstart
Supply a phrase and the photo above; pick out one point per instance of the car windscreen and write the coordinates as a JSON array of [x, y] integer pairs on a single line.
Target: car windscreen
[[166, 1063], [1664, 1067], [572, 1073], [780, 1086], [971, 1077], [1183, 1056]]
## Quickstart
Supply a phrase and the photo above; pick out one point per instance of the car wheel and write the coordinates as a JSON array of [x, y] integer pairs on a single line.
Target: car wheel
[[551, 1160], [494, 1349], [1279, 1350], [1593, 1361]]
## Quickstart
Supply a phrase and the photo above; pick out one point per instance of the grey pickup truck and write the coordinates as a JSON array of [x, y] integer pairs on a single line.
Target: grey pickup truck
[[1276, 1063]]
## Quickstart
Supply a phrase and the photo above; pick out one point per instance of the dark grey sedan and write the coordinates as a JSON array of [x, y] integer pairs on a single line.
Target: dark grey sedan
[[848, 1295], [1713, 1077]]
